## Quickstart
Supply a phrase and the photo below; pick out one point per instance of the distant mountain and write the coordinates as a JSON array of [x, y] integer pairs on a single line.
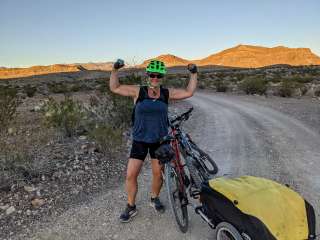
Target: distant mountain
[[103, 66], [36, 70], [56, 68], [169, 60], [255, 56], [245, 56]]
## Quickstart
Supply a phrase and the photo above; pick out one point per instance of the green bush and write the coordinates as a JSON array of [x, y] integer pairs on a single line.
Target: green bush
[[58, 88], [288, 87], [221, 86], [301, 79], [254, 86], [120, 111], [175, 82], [110, 108], [107, 138], [30, 90], [66, 115], [8, 107], [132, 78]]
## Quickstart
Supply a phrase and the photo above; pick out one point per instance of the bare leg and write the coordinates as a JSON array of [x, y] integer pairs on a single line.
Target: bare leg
[[133, 170], [156, 177]]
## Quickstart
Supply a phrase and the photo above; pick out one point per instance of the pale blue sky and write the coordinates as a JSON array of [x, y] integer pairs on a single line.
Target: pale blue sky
[[42, 32]]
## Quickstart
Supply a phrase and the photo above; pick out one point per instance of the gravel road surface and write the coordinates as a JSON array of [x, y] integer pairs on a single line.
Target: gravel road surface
[[245, 135]]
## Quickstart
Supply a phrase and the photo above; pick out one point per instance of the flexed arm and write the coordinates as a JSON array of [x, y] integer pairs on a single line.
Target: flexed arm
[[121, 89], [176, 94]]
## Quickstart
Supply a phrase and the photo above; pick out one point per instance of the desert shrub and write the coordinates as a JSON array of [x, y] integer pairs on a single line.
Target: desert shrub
[[58, 88], [221, 85], [108, 139], [288, 87], [110, 108], [303, 89], [20, 151], [175, 82], [317, 93], [201, 85], [8, 107], [239, 76], [254, 85], [170, 77], [301, 79], [76, 87], [121, 110], [66, 115], [276, 79], [132, 78], [103, 88], [30, 90]]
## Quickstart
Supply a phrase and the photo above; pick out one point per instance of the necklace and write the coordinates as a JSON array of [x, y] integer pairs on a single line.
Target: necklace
[[154, 93]]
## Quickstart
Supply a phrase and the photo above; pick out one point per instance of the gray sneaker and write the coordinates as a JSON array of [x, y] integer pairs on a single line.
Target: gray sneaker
[[128, 213], [157, 205]]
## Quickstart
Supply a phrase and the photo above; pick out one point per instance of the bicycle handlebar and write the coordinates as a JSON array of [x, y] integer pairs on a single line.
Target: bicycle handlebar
[[184, 116]]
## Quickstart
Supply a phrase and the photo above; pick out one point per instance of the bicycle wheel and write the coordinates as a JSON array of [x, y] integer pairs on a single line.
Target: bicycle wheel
[[193, 173], [176, 198], [210, 165], [226, 231]]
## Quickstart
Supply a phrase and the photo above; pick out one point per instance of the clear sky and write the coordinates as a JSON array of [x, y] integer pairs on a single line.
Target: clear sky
[[42, 32]]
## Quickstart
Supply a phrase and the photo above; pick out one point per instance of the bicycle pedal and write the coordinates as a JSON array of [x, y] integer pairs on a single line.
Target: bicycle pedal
[[184, 202], [195, 195]]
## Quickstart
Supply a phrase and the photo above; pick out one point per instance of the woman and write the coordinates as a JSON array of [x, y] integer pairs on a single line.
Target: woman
[[150, 124]]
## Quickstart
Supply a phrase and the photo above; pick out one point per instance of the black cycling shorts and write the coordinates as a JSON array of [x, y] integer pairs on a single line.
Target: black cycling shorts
[[139, 150]]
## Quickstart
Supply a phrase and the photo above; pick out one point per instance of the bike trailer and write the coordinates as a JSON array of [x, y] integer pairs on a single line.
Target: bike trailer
[[259, 208]]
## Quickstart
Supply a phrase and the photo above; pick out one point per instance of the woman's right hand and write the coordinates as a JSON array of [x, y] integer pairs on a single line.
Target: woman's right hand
[[118, 64]]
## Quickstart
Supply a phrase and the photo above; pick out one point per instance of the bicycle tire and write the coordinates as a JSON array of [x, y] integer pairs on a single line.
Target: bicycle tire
[[193, 173], [205, 157], [172, 179], [226, 231]]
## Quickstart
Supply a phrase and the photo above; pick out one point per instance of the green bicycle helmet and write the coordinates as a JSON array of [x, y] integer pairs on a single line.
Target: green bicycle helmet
[[156, 67]]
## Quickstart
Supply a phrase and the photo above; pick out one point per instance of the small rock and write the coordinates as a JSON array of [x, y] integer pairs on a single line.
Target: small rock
[[37, 202], [82, 137], [29, 189], [37, 108], [4, 207], [10, 210], [84, 146], [38, 193], [28, 212], [11, 131]]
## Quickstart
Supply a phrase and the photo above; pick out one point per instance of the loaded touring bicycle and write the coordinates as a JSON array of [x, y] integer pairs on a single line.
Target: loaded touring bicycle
[[244, 208]]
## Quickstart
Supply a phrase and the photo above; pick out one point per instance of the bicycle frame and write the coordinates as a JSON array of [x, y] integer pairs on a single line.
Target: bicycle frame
[[178, 166]]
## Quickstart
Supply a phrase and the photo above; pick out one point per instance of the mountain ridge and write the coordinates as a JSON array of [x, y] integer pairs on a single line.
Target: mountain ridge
[[242, 55]]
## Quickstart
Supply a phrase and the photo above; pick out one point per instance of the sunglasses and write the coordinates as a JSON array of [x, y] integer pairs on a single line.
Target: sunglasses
[[153, 75]]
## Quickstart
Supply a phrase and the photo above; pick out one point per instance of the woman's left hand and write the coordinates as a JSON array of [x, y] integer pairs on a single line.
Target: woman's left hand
[[192, 68]]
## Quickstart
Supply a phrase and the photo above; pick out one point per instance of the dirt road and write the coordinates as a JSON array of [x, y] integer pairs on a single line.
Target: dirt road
[[244, 137]]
